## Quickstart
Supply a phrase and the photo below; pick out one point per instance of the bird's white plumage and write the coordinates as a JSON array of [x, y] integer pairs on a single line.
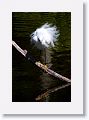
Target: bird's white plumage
[[45, 36]]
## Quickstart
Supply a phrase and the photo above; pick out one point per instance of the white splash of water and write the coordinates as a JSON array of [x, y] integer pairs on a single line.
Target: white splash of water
[[45, 36]]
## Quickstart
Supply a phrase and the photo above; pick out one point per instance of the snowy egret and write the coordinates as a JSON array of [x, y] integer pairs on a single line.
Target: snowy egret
[[44, 37]]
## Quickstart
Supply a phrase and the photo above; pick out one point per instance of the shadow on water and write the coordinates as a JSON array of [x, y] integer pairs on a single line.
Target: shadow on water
[[28, 81]]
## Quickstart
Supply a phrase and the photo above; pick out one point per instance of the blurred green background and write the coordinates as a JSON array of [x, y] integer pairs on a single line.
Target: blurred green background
[[27, 79]]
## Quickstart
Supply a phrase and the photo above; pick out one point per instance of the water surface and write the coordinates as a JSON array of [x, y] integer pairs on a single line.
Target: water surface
[[29, 81]]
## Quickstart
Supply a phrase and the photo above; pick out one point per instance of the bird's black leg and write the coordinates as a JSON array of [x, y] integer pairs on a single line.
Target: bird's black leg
[[45, 56]]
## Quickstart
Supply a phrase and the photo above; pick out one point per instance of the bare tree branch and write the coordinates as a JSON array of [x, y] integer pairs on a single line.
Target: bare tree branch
[[45, 94], [40, 65]]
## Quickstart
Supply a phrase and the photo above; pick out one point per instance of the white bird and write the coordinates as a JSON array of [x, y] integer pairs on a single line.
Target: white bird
[[45, 36]]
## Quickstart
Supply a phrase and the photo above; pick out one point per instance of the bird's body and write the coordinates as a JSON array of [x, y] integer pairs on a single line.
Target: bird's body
[[45, 36]]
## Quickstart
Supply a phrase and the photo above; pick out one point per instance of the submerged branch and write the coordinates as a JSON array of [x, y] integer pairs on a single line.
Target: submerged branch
[[45, 94], [40, 65]]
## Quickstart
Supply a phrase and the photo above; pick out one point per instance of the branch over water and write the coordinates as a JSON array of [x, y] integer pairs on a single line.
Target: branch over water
[[40, 65]]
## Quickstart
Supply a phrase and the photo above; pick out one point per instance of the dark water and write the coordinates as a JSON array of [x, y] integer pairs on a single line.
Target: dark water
[[28, 81]]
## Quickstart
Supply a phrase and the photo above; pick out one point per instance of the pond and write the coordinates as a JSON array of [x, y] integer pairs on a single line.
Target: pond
[[29, 81]]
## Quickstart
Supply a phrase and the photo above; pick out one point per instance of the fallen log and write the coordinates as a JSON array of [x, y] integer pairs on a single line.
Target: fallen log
[[40, 65]]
